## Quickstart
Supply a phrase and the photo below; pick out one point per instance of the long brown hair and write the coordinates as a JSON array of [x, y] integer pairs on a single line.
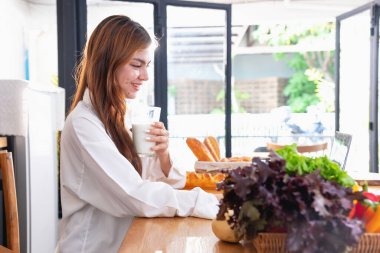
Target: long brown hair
[[112, 44]]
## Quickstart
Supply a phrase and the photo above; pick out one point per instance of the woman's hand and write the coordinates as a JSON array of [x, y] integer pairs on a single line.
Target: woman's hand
[[160, 136]]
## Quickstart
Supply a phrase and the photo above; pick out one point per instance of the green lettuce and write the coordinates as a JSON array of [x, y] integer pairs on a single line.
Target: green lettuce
[[300, 165]]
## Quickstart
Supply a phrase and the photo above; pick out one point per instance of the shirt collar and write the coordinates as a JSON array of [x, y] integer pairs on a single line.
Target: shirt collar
[[86, 97]]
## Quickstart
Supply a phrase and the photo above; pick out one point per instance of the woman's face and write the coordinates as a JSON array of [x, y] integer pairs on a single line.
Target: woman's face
[[131, 75]]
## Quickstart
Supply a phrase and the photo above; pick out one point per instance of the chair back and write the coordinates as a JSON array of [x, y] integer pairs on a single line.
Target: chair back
[[340, 148], [312, 150], [10, 201]]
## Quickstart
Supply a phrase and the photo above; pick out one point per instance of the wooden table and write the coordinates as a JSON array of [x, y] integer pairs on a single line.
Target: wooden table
[[176, 235]]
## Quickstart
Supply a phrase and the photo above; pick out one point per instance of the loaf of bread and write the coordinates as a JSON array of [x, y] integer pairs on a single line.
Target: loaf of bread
[[209, 151], [199, 150], [203, 180], [213, 146], [224, 232]]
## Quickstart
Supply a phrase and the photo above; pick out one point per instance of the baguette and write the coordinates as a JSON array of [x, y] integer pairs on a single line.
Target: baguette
[[199, 150], [213, 146]]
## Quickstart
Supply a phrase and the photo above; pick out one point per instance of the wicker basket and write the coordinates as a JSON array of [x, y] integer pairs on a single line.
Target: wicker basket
[[270, 243], [369, 242], [275, 243]]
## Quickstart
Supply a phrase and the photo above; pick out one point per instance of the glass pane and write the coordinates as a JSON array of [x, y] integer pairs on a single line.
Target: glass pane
[[196, 76], [96, 12], [283, 89], [355, 88]]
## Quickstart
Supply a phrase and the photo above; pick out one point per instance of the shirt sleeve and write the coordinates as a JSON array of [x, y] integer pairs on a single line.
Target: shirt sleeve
[[108, 181], [153, 172]]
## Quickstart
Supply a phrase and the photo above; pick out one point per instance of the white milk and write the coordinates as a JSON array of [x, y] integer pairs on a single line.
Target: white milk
[[139, 139]]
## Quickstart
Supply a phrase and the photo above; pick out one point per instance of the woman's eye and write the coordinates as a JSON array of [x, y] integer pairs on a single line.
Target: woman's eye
[[135, 66]]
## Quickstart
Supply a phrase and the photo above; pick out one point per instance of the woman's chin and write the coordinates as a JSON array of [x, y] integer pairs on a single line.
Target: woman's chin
[[131, 95]]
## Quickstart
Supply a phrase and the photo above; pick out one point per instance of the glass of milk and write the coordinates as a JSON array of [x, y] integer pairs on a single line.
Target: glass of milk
[[140, 125]]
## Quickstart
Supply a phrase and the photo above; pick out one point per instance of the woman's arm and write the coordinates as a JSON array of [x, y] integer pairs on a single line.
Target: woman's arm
[[95, 171], [152, 171]]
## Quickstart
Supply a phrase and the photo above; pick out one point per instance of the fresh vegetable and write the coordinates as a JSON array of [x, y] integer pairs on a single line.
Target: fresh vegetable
[[371, 196], [360, 209], [351, 215], [369, 213], [355, 188], [300, 165], [374, 223], [313, 210], [365, 208]]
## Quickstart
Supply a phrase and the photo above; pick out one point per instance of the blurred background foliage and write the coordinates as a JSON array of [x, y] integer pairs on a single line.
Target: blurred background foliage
[[313, 79]]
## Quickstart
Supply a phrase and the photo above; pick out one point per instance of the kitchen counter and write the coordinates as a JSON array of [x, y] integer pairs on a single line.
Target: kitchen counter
[[174, 235]]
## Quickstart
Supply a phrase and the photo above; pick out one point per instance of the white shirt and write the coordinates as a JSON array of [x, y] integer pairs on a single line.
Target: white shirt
[[101, 191]]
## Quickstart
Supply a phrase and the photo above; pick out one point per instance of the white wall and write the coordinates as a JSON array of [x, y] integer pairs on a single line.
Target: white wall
[[28, 30], [14, 16], [41, 40]]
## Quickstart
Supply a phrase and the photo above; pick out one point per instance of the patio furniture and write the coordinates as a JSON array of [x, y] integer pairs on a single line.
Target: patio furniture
[[312, 150]]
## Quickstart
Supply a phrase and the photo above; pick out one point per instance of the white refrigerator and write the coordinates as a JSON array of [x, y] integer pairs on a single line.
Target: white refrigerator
[[30, 117]]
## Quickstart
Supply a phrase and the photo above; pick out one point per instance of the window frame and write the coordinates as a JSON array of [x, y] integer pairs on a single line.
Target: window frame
[[374, 8], [72, 23]]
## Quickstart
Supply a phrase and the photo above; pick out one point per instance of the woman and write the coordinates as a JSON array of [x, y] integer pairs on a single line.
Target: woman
[[104, 183]]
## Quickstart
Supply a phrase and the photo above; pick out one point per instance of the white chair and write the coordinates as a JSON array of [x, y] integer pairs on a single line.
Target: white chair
[[340, 148]]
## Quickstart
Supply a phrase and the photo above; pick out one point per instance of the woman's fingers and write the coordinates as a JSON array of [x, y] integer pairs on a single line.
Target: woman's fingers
[[159, 135], [158, 124], [158, 129], [158, 139], [160, 146]]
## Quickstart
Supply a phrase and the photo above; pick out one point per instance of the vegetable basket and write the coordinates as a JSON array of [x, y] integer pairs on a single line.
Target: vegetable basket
[[275, 243]]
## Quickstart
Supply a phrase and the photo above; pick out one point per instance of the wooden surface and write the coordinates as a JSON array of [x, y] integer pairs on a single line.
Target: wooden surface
[[3, 142], [176, 235], [373, 179]]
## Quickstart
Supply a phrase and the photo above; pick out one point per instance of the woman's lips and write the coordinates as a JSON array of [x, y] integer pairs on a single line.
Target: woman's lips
[[136, 86]]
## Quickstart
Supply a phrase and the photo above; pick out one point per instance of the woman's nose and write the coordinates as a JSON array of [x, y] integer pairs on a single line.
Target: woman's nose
[[144, 74]]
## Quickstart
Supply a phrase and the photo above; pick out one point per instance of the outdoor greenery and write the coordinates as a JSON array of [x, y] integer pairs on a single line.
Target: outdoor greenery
[[312, 82], [237, 97]]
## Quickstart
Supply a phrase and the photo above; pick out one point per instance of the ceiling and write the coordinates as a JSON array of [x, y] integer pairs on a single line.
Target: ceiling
[[336, 3], [258, 11], [240, 1], [333, 2]]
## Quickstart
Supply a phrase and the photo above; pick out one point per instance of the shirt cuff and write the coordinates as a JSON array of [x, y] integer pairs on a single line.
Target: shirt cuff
[[176, 178], [153, 172]]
